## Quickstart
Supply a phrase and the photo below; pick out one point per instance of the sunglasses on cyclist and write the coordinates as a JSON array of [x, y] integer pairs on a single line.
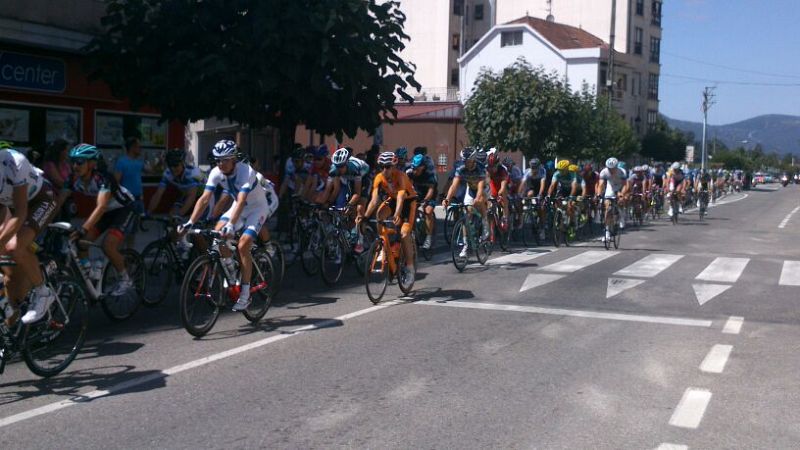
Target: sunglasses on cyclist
[[77, 161], [386, 166]]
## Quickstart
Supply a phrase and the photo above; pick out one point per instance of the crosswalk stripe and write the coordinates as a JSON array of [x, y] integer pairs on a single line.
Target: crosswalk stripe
[[649, 266], [619, 285], [790, 274], [706, 291], [580, 261], [726, 270], [539, 279], [517, 258]]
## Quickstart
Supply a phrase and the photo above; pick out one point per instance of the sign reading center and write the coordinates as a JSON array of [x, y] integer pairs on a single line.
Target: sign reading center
[[37, 73]]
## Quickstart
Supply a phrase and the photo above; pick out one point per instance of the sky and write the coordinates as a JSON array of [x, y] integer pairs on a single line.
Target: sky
[[742, 41]]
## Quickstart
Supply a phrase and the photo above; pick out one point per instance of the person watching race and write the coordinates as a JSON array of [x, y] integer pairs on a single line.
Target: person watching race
[[425, 184]]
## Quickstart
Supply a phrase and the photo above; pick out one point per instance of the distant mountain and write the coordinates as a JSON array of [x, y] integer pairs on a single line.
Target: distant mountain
[[774, 132]]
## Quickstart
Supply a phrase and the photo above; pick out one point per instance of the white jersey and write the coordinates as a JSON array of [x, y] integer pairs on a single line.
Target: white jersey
[[243, 179], [18, 171], [614, 178]]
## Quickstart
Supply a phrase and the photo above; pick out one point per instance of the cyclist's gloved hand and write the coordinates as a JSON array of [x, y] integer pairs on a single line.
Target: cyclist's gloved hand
[[227, 230], [185, 227]]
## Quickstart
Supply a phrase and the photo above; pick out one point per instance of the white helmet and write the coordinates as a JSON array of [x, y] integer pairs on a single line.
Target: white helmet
[[612, 162], [675, 166], [340, 157], [645, 167]]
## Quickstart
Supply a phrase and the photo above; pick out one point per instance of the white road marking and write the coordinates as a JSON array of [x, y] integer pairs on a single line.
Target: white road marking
[[539, 279], [516, 258], [691, 408], [619, 285], [726, 270], [785, 220], [83, 398], [573, 313], [733, 325], [705, 292], [790, 274], [580, 261], [716, 359], [649, 266], [668, 446]]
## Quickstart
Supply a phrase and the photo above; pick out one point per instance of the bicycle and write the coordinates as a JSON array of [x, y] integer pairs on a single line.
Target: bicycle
[[386, 260], [453, 213], [421, 231], [116, 308], [468, 231], [614, 231], [498, 230], [163, 261], [657, 203], [703, 207], [674, 203], [531, 222], [637, 209], [336, 247], [209, 284], [559, 221], [47, 346]]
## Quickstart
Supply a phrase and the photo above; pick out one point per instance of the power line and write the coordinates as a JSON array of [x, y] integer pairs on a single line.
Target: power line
[[755, 72], [734, 82]]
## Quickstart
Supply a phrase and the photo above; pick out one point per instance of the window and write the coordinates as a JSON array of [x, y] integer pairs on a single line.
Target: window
[[655, 49], [456, 41], [652, 118], [622, 83], [454, 77], [639, 7], [638, 34], [656, 13], [652, 87], [458, 7], [602, 79], [479, 11], [636, 84], [510, 38]]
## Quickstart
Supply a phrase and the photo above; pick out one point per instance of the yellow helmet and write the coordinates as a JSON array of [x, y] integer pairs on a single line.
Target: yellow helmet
[[563, 164], [573, 167]]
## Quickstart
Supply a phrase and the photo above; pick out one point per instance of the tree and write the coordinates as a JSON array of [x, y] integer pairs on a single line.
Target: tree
[[332, 65], [663, 143]]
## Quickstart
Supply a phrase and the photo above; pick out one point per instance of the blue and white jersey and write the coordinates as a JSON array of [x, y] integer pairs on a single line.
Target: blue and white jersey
[[243, 179], [356, 170], [192, 177], [18, 171]]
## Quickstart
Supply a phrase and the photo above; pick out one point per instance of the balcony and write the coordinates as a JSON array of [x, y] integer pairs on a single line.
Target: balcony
[[437, 95]]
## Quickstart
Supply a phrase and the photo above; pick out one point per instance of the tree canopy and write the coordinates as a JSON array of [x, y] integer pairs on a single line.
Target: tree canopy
[[331, 65], [663, 143]]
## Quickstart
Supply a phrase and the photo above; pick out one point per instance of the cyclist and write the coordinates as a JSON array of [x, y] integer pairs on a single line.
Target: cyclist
[[314, 190], [402, 158], [636, 185], [429, 166], [565, 183], [612, 185], [188, 180], [401, 198], [514, 183], [114, 209], [703, 185], [346, 180], [473, 174], [28, 204], [533, 185], [254, 202], [425, 184], [590, 181], [674, 184], [499, 179], [296, 172]]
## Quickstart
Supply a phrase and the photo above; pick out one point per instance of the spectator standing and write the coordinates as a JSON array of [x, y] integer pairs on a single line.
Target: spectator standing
[[57, 170], [128, 172]]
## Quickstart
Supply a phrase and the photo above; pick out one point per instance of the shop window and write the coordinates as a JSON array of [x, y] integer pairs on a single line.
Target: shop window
[[111, 130], [36, 127]]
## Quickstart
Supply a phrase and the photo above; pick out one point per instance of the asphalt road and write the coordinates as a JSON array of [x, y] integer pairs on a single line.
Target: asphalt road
[[688, 335]]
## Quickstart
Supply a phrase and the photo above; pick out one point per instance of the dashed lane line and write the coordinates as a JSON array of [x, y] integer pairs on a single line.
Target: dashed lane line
[[786, 219], [691, 409], [716, 359], [733, 325]]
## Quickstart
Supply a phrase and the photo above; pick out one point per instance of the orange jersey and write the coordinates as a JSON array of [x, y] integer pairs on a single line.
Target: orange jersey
[[398, 181]]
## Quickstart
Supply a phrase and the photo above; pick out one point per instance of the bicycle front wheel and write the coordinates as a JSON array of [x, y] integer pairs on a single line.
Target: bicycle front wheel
[[331, 261], [261, 291], [376, 273], [459, 245], [52, 344], [160, 267], [403, 281], [202, 295], [311, 248], [124, 306]]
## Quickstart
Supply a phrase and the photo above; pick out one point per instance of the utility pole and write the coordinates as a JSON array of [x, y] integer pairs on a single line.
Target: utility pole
[[610, 80], [708, 101]]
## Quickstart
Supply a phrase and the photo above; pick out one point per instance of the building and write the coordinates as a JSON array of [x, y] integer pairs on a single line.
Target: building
[[441, 31], [637, 42], [574, 54], [46, 94]]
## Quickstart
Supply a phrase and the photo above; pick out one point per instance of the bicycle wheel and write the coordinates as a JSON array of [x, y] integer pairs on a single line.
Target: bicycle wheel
[[293, 243], [51, 345], [278, 259], [675, 212], [447, 225], [331, 261], [607, 242], [367, 236], [312, 246], [617, 235], [502, 235], [530, 232], [202, 295], [160, 267], [376, 273], [557, 229], [261, 291], [402, 281], [459, 241], [123, 307]]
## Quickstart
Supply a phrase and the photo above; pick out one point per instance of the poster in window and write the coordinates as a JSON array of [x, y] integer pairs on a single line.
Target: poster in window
[[63, 125], [153, 134], [14, 125], [109, 130]]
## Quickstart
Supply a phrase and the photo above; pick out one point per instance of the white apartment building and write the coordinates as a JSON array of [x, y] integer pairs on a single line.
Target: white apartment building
[[637, 43]]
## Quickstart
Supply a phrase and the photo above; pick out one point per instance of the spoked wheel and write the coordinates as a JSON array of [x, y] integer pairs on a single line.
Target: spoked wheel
[[530, 229], [261, 291], [278, 259], [202, 296], [311, 245], [53, 343], [502, 235], [558, 229], [675, 212], [331, 261], [404, 281], [293, 245], [122, 307], [617, 235], [447, 225], [367, 236], [160, 267], [459, 242], [376, 274]]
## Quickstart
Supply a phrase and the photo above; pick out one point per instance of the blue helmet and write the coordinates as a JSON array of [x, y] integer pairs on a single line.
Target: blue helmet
[[321, 151], [225, 149], [418, 161], [84, 151], [621, 164], [551, 165], [401, 153]]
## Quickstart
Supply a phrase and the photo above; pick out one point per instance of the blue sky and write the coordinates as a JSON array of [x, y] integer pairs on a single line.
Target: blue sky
[[758, 37]]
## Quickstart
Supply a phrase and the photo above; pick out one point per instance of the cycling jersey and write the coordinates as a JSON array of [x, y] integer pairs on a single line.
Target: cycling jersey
[[295, 176], [514, 179], [397, 182], [636, 182], [101, 181], [590, 183], [658, 178], [496, 179], [677, 175], [532, 178], [471, 177], [565, 180], [423, 182], [191, 178], [704, 181], [356, 170], [614, 181], [18, 171], [243, 179]]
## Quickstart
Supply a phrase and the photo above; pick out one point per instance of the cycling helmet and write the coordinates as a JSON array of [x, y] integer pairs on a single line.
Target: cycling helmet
[[298, 153], [534, 163], [420, 151], [418, 160], [645, 167], [493, 159], [675, 166], [508, 162], [5, 144], [387, 159], [638, 169], [612, 163], [84, 151], [563, 164], [621, 164], [492, 150], [225, 149], [467, 152], [480, 157], [340, 157], [174, 157], [573, 167], [402, 153], [321, 151], [550, 165]]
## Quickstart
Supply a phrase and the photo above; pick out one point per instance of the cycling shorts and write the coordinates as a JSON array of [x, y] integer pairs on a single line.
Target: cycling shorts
[[470, 194], [408, 213], [41, 209], [253, 216], [121, 219]]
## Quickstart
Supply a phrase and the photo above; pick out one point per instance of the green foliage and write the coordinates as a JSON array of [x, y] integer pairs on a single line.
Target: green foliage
[[331, 65], [526, 109], [663, 143]]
